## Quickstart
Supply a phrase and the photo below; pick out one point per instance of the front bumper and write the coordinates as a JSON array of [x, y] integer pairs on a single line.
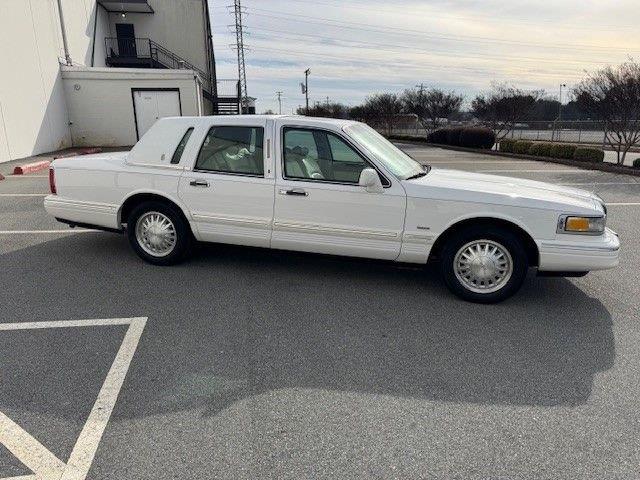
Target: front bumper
[[580, 255]]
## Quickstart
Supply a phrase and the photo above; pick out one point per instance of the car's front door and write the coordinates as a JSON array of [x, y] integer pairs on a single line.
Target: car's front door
[[319, 206], [229, 191]]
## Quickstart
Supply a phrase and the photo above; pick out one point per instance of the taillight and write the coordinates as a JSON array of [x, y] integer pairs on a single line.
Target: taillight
[[52, 181]]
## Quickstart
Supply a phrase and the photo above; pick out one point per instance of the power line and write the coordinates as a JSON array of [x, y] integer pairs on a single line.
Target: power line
[[447, 53], [472, 17], [438, 67], [454, 38]]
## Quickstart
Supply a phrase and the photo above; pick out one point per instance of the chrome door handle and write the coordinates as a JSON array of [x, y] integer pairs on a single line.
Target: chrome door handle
[[199, 183], [294, 191]]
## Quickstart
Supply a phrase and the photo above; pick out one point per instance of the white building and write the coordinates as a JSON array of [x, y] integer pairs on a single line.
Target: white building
[[132, 61]]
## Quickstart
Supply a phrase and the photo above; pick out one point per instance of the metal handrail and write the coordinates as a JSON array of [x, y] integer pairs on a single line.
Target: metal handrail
[[146, 48]]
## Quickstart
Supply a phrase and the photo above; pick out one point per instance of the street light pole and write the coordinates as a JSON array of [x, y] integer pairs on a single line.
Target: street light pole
[[279, 93], [306, 87], [560, 102]]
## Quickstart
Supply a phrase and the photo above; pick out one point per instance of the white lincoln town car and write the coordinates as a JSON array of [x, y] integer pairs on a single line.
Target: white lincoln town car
[[333, 187]]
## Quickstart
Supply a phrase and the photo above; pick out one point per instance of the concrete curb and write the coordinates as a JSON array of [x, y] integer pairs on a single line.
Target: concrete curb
[[77, 153], [603, 167], [31, 167]]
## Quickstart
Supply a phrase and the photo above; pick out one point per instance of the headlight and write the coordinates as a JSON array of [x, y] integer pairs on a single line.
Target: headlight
[[583, 225]]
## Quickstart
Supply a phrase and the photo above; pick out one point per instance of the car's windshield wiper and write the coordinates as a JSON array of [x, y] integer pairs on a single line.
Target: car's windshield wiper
[[417, 175]]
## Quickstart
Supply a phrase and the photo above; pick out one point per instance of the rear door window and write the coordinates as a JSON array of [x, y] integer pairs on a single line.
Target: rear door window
[[235, 150]]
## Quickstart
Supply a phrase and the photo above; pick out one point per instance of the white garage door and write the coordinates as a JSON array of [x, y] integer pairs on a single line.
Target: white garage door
[[150, 105]]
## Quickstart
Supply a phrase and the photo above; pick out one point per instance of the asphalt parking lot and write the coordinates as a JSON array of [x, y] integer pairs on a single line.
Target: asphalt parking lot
[[245, 364]]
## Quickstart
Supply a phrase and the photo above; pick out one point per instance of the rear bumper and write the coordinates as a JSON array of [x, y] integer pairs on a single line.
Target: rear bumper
[[82, 213], [595, 253]]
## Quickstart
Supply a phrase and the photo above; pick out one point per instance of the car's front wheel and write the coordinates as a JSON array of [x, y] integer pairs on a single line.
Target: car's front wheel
[[158, 233], [484, 265]]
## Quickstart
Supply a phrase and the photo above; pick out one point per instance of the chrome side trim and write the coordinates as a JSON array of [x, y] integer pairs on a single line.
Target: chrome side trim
[[230, 220], [585, 248], [156, 165], [339, 231]]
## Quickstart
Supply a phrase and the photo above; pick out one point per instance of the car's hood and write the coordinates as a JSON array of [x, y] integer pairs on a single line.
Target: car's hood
[[476, 187]]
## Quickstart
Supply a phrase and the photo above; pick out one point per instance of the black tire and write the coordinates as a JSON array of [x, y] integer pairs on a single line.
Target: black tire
[[183, 236], [503, 238]]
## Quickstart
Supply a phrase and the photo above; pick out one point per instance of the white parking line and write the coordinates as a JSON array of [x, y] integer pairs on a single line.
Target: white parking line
[[28, 450], [33, 454], [16, 177], [541, 171], [23, 194], [602, 183], [45, 232], [623, 204], [477, 162]]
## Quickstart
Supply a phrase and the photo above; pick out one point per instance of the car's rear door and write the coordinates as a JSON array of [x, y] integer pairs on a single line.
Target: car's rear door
[[229, 190], [319, 206]]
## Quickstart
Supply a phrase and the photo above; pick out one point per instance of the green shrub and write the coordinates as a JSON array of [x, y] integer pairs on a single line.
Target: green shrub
[[522, 146], [507, 145], [438, 136], [477, 137], [636, 163], [562, 150], [589, 154], [406, 137], [541, 149], [453, 136]]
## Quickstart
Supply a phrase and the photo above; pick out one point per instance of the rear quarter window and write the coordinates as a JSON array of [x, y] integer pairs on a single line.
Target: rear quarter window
[[177, 155]]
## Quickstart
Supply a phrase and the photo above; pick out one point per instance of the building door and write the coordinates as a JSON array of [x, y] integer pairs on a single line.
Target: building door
[[126, 40], [150, 105]]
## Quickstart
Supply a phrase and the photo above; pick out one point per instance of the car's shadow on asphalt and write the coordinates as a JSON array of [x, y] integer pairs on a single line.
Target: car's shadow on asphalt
[[233, 323]]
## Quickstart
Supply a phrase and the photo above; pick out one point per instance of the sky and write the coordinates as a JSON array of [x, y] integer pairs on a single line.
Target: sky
[[360, 47]]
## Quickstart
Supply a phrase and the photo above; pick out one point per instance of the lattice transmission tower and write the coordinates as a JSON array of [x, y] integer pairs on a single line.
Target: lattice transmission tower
[[242, 74]]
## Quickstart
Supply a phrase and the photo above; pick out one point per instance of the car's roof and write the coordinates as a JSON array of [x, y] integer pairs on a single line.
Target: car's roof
[[300, 119]]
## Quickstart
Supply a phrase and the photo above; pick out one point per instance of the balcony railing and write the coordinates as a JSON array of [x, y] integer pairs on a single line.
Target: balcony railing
[[146, 52]]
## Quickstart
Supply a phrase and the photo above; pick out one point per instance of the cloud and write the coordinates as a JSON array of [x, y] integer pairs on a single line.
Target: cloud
[[361, 47]]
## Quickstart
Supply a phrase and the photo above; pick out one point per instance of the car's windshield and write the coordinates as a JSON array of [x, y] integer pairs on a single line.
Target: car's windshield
[[394, 159]]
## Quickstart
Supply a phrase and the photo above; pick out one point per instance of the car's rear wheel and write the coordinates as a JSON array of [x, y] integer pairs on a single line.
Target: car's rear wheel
[[158, 233], [484, 265]]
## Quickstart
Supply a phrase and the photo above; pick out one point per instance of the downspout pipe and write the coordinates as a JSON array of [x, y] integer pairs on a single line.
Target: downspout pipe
[[67, 56]]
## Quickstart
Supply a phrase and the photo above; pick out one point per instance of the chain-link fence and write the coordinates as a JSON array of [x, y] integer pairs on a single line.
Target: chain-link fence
[[586, 132]]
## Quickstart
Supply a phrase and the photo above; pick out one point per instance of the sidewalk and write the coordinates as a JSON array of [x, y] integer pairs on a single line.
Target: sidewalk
[[6, 168]]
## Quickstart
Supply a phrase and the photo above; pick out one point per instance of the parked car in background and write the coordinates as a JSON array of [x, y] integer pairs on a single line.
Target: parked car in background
[[332, 187]]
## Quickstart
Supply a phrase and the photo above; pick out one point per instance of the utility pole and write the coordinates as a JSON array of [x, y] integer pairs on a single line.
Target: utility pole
[[65, 44], [560, 102], [279, 93], [306, 87], [420, 88], [327, 100], [242, 74]]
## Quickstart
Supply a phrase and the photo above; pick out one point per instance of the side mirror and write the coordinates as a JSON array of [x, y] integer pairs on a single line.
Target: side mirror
[[370, 180]]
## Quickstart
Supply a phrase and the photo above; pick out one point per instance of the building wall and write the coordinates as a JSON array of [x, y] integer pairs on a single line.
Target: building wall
[[33, 114], [177, 25], [100, 102], [33, 109]]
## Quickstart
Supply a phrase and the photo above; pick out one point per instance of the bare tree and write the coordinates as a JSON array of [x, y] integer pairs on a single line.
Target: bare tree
[[612, 95], [503, 106], [330, 110], [379, 110], [431, 106]]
